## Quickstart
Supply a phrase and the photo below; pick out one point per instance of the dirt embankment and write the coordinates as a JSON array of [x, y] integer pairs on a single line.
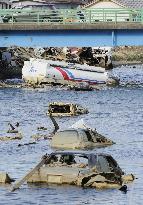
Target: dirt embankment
[[127, 55]]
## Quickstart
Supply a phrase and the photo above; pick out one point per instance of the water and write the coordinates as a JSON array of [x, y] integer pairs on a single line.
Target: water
[[115, 112]]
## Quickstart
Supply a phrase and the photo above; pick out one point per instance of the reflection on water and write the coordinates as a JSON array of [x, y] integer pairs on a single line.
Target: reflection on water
[[115, 112]]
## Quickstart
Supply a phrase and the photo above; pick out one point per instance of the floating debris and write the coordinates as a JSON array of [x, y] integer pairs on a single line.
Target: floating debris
[[41, 71], [38, 137], [81, 87], [30, 143], [17, 136], [5, 179], [41, 128], [13, 128], [62, 109]]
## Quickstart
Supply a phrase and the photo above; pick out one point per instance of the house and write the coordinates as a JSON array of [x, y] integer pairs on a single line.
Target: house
[[112, 15], [46, 4], [114, 4], [4, 4]]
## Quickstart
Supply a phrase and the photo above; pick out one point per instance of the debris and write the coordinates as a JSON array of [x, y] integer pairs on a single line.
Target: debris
[[19, 145], [4, 178], [12, 128], [41, 71], [38, 137], [89, 55], [41, 128], [17, 136], [99, 170], [124, 188], [62, 109], [128, 178], [81, 87]]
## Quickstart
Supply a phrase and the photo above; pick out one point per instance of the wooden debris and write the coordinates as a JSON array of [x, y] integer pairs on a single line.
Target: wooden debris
[[17, 136]]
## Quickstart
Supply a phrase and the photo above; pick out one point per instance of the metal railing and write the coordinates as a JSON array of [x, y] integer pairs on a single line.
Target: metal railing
[[70, 16]]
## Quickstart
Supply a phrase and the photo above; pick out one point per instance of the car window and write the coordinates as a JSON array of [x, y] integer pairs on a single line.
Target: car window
[[89, 137], [80, 161], [102, 164]]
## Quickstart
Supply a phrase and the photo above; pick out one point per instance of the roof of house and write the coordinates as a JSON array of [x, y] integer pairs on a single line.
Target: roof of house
[[122, 3], [54, 1], [131, 3]]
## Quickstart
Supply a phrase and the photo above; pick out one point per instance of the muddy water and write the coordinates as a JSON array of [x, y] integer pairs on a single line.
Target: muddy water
[[115, 112]]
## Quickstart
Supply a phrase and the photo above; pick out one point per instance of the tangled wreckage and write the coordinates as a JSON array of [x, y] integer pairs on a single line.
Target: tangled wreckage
[[40, 71], [81, 169], [65, 109]]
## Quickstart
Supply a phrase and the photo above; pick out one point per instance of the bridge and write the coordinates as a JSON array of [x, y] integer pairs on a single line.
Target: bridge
[[81, 27]]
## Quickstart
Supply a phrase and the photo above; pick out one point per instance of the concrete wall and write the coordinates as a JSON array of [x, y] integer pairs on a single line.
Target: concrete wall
[[79, 38]]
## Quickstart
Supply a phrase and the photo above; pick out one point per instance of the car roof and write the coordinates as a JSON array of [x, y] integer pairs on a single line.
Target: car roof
[[60, 103], [72, 129], [84, 153]]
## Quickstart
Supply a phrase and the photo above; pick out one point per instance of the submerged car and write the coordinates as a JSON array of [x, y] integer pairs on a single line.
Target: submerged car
[[82, 169], [79, 139], [65, 109]]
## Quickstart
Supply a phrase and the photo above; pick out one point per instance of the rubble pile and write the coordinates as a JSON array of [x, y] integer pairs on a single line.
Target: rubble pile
[[12, 58], [90, 56]]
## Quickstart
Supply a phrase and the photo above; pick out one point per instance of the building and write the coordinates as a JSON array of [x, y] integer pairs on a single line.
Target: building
[[114, 10], [45, 4], [114, 4], [5, 4]]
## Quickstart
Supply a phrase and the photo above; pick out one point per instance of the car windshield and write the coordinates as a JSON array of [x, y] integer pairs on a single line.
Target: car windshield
[[69, 159]]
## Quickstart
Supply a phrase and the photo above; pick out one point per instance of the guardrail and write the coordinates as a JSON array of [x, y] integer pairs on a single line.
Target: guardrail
[[70, 16]]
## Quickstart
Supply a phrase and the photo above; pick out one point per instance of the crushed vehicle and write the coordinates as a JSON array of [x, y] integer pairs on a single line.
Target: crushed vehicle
[[65, 109], [79, 168], [79, 139]]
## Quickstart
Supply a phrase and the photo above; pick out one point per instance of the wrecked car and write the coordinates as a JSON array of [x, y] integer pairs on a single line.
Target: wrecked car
[[81, 169], [79, 139], [65, 109]]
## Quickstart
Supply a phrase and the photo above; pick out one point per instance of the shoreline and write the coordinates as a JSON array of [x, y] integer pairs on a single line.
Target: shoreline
[[126, 63]]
